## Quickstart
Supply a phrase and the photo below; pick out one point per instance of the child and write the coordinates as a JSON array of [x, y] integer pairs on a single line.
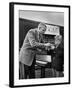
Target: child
[[58, 57]]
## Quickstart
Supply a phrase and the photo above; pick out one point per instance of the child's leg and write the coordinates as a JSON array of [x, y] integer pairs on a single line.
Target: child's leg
[[57, 73], [53, 72]]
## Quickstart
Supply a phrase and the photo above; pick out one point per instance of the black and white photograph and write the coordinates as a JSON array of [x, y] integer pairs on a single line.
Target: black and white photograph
[[40, 44]]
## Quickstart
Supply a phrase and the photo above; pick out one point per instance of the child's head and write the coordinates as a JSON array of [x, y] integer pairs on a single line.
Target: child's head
[[58, 39]]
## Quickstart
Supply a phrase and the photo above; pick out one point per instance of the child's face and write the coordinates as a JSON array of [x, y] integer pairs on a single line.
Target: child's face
[[57, 41]]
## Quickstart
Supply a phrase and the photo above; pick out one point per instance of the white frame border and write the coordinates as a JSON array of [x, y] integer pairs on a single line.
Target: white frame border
[[18, 82]]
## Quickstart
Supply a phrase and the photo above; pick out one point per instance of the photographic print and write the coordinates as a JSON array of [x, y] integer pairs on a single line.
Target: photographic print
[[39, 44]]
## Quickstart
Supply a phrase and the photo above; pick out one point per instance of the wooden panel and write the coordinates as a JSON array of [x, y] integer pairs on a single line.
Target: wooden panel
[[46, 58]]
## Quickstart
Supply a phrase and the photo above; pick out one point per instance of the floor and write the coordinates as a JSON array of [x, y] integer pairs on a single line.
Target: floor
[[48, 73]]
